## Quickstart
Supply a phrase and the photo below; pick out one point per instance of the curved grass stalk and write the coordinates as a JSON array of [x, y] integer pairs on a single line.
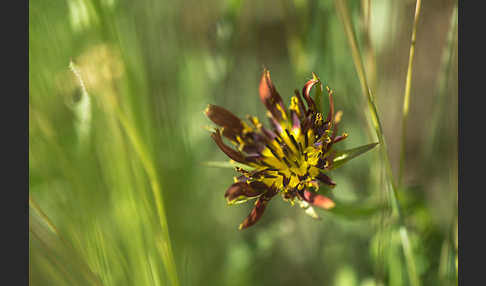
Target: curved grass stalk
[[37, 233], [406, 98], [46, 219], [343, 11], [148, 165]]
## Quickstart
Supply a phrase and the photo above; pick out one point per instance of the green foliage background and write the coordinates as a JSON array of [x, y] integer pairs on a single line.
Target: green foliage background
[[111, 165]]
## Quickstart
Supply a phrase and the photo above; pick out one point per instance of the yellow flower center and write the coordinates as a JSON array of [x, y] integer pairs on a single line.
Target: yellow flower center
[[290, 161]]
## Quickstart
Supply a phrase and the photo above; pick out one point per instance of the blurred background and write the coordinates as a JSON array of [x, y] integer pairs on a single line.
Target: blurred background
[[120, 189]]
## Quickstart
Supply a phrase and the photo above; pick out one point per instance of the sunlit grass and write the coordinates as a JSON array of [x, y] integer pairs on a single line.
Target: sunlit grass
[[391, 184], [125, 182]]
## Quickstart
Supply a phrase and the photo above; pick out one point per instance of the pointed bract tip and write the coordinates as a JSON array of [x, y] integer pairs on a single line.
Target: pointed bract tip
[[206, 110], [318, 200], [209, 128], [338, 116], [329, 204], [265, 74], [266, 81]]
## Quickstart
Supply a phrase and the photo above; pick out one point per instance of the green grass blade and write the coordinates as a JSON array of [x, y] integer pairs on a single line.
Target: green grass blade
[[343, 11], [369, 51], [406, 98], [442, 84], [355, 210], [141, 150], [227, 164], [59, 251]]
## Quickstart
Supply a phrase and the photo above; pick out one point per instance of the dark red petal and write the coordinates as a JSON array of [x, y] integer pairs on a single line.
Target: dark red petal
[[259, 174], [334, 137], [269, 134], [233, 154], [295, 120], [241, 189], [224, 118], [270, 97], [306, 124], [260, 205], [259, 186], [330, 115], [255, 214], [306, 92], [317, 200], [277, 128], [325, 179], [340, 138]]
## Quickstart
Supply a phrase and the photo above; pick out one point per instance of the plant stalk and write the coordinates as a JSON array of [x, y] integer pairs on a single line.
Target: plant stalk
[[343, 11], [148, 165], [406, 97]]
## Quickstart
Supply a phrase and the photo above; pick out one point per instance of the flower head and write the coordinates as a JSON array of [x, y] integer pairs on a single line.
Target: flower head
[[291, 158]]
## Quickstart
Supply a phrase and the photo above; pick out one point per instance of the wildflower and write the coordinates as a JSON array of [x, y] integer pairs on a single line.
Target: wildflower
[[291, 158]]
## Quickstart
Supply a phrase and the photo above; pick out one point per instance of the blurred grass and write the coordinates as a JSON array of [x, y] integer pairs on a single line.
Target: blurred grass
[[118, 167]]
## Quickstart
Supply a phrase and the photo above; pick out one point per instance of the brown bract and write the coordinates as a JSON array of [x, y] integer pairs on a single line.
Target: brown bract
[[224, 118], [270, 97]]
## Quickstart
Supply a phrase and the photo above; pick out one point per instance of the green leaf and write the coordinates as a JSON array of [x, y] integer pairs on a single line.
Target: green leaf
[[227, 164], [344, 156], [356, 210]]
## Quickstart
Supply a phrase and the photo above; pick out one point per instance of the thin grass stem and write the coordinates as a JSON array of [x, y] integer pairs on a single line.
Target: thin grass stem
[[46, 219], [83, 265], [442, 82], [446, 271], [142, 152], [406, 97], [368, 45], [148, 165], [343, 11]]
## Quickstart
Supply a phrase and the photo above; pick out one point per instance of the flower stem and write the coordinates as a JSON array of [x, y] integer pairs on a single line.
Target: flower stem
[[406, 98], [343, 11]]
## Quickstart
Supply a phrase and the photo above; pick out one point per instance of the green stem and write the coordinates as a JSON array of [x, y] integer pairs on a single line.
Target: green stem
[[370, 59], [406, 98], [442, 84], [343, 11]]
